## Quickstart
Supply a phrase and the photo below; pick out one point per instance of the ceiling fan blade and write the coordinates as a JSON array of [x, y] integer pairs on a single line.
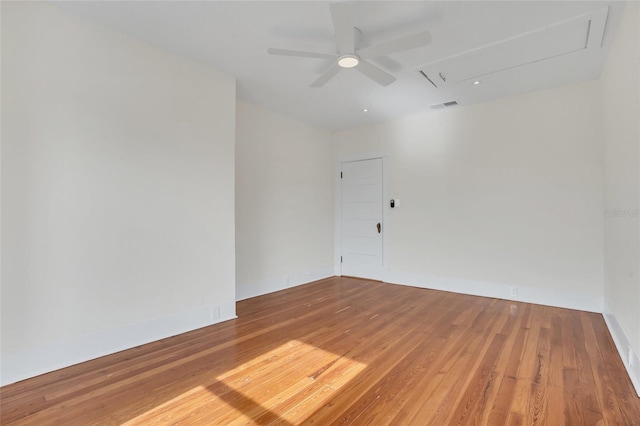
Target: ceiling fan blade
[[376, 74], [399, 45], [342, 17], [328, 75], [286, 52]]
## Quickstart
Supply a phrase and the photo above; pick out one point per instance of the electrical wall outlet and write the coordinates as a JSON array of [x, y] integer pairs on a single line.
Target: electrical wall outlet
[[514, 291]]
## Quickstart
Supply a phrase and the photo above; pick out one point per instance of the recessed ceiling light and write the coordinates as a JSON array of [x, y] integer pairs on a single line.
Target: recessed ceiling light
[[348, 61], [475, 83], [365, 110]]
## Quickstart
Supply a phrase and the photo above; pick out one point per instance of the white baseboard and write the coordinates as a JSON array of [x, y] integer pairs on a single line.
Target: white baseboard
[[629, 357], [20, 365], [270, 285], [540, 296]]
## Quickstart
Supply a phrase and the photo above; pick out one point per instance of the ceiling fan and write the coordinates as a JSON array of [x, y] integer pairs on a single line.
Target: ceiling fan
[[350, 56]]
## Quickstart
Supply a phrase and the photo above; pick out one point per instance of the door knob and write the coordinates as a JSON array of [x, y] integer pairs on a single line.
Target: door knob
[[379, 226]]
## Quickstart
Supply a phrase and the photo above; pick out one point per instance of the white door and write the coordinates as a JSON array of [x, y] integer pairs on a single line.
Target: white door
[[362, 228]]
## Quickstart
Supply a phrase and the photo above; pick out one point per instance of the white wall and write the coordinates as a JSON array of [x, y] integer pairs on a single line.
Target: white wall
[[621, 96], [284, 201], [502, 194], [117, 192]]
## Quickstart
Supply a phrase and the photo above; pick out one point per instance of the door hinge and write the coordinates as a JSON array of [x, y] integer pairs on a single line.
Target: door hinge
[[340, 175], [340, 259]]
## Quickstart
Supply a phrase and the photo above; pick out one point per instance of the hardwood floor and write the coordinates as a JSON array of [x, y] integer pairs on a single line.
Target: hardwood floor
[[345, 350]]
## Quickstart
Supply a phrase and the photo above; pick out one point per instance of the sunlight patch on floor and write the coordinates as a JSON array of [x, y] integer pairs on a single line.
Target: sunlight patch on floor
[[300, 379], [281, 385], [163, 408]]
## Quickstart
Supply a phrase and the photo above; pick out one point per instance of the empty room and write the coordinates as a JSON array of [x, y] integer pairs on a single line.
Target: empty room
[[318, 212]]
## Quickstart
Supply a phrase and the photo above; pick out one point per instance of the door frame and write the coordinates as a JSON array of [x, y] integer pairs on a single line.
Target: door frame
[[337, 214]]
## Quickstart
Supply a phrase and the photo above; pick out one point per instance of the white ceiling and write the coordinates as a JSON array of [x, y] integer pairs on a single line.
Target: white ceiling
[[511, 47]]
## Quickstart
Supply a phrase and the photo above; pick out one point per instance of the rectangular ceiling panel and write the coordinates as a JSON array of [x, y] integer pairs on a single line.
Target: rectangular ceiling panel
[[582, 32]]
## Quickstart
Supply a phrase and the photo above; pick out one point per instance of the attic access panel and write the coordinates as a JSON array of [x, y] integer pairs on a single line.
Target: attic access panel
[[562, 38]]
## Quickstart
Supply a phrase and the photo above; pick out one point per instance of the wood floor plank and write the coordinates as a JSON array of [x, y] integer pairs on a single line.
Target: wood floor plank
[[376, 363], [345, 350], [452, 376], [456, 400], [379, 404], [508, 367]]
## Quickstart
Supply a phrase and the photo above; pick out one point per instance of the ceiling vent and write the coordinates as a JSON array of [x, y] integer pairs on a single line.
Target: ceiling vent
[[444, 105]]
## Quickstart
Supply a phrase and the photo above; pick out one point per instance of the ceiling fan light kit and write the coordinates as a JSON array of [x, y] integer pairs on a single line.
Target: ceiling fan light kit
[[352, 57], [348, 61]]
